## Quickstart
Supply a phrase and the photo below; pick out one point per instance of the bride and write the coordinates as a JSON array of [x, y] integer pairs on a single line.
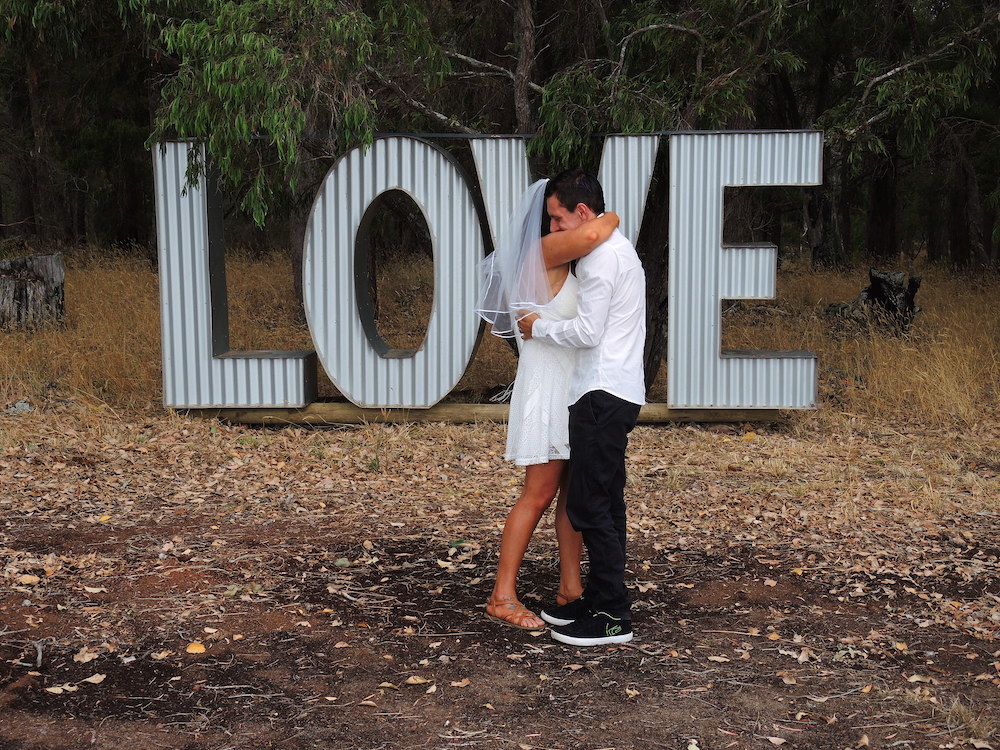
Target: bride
[[530, 273]]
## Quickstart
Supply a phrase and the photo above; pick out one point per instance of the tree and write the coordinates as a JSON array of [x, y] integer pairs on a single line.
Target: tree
[[74, 121]]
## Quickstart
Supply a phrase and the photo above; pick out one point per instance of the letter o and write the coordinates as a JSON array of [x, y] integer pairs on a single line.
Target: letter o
[[357, 361]]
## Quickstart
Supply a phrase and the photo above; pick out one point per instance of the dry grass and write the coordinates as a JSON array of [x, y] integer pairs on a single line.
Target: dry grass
[[945, 371], [108, 348]]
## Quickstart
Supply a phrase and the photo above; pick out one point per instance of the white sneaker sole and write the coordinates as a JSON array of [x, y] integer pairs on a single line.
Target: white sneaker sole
[[605, 640], [553, 620]]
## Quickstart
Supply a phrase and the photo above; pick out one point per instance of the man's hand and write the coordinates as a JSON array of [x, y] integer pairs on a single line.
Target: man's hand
[[525, 323]]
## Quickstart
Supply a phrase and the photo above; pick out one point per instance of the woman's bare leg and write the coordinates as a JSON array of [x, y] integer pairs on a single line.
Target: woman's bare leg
[[541, 483], [570, 549]]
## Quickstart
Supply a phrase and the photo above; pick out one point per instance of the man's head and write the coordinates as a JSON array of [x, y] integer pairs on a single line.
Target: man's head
[[573, 197]]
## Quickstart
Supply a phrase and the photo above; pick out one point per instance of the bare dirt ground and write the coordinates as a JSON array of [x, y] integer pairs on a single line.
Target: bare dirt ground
[[823, 582]]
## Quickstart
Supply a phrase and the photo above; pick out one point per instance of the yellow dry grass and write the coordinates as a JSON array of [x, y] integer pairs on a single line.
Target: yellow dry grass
[[945, 371]]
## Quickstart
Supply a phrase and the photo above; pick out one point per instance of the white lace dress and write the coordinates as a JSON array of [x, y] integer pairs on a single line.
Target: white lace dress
[[538, 424]]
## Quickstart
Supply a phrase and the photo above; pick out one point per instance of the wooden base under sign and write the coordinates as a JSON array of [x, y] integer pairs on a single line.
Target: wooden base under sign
[[327, 413]]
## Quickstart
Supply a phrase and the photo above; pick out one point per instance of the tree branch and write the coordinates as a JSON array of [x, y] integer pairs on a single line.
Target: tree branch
[[490, 67], [990, 19], [448, 122], [654, 27]]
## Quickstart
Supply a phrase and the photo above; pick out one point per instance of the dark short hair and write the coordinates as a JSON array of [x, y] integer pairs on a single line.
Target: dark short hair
[[574, 186]]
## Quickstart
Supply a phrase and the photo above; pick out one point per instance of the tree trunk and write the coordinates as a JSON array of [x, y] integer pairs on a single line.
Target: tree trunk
[[525, 65], [845, 221], [651, 246], [882, 234], [966, 231], [937, 235], [31, 291], [23, 221], [821, 229]]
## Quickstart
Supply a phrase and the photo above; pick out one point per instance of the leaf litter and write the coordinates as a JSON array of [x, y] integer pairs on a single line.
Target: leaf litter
[[217, 573]]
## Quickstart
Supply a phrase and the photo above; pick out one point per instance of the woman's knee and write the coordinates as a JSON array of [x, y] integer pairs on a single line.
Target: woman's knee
[[538, 501]]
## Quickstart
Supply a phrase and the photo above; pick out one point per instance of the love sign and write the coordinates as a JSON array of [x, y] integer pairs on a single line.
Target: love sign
[[199, 370]]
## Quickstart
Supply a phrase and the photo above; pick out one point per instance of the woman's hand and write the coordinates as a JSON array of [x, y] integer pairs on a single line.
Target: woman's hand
[[525, 322]]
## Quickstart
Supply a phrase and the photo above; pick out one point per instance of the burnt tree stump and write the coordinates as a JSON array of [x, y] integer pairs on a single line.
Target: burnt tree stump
[[888, 299], [32, 291]]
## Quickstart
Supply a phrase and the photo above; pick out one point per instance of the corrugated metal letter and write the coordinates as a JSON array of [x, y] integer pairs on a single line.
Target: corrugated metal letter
[[703, 272], [365, 369], [199, 371], [626, 170]]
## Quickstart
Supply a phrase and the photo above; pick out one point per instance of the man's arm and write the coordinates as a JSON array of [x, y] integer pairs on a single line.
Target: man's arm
[[562, 247], [594, 304]]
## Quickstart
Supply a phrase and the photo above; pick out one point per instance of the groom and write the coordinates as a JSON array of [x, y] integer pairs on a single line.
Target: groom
[[609, 332]]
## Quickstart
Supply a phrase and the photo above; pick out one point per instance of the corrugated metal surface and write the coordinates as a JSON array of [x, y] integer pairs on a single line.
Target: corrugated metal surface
[[193, 313], [702, 272], [362, 366], [748, 272], [625, 173], [504, 174], [626, 169]]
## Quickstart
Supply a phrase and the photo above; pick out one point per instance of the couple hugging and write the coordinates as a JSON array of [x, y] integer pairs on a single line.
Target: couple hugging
[[576, 397]]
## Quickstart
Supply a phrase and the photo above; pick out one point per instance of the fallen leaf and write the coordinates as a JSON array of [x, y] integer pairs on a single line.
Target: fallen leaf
[[197, 647], [415, 679], [464, 682], [95, 679], [84, 655], [718, 658], [28, 579], [95, 589], [776, 740]]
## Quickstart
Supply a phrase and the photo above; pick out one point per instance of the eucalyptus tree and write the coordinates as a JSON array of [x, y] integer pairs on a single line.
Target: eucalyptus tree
[[894, 83]]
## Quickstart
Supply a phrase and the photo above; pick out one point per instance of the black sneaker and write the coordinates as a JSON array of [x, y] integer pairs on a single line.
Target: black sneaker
[[564, 614], [600, 629]]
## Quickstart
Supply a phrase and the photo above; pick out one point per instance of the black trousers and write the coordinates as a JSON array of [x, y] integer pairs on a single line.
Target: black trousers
[[599, 424]]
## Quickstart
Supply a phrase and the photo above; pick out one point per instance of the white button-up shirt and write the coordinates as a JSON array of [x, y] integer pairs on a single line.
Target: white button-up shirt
[[609, 330]]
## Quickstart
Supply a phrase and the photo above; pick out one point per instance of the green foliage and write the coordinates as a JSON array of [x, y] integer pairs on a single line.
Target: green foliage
[[277, 89], [905, 94], [697, 67], [255, 77]]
